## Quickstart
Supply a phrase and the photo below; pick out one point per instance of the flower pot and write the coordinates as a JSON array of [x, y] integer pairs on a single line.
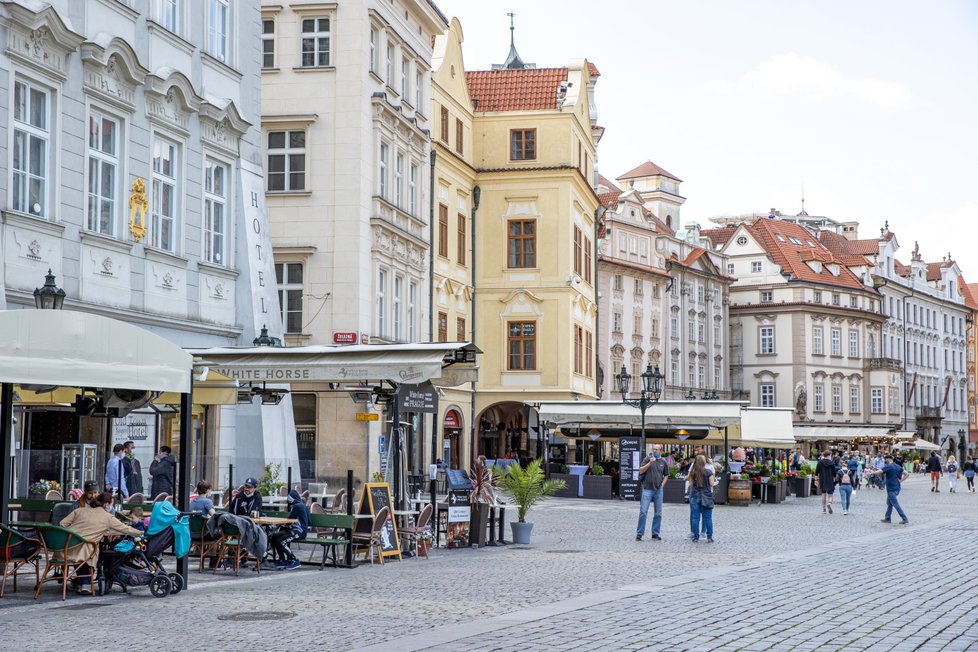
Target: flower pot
[[570, 490], [674, 491], [479, 524], [422, 548], [521, 532], [597, 486], [802, 487]]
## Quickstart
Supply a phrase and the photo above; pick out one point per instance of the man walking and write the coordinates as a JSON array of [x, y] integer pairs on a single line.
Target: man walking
[[133, 469], [653, 474], [894, 475], [115, 472], [825, 479], [935, 468]]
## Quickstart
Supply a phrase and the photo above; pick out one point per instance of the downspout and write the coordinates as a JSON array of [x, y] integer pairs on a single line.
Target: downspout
[[431, 244], [476, 197], [599, 386]]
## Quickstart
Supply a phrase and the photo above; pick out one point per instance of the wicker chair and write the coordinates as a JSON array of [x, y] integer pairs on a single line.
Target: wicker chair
[[136, 499], [53, 495], [372, 540], [411, 532]]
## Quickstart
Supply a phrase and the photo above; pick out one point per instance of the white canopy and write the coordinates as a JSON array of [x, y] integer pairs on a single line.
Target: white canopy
[[841, 432], [919, 444], [400, 363], [664, 414], [766, 427], [77, 349]]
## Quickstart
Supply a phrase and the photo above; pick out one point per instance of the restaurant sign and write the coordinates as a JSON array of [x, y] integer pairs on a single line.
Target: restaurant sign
[[418, 398]]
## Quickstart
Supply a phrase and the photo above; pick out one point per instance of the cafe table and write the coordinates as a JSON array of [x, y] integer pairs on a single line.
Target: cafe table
[[580, 470]]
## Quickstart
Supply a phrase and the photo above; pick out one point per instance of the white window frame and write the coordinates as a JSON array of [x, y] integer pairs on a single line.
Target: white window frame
[[382, 303], [159, 180], [390, 64], [412, 300], [382, 169], [32, 133], [95, 178], [818, 340], [405, 69], [399, 179], [374, 42], [818, 397], [218, 31], [169, 14], [396, 307], [767, 296], [287, 152], [413, 189], [837, 398], [266, 39], [419, 90], [285, 286], [765, 392], [853, 343], [766, 340], [876, 400], [755, 267], [315, 38], [214, 241], [836, 342], [855, 402]]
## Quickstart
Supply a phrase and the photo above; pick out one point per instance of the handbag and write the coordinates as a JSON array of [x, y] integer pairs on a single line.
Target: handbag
[[706, 500]]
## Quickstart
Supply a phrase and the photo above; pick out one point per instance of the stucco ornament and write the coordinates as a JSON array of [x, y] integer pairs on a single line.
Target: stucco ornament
[[138, 205]]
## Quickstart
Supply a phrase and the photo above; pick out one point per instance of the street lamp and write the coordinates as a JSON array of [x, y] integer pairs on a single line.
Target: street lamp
[[49, 297], [649, 394], [265, 340], [690, 396]]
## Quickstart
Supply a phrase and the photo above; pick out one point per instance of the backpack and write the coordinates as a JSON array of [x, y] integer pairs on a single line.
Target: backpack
[[845, 477], [952, 467]]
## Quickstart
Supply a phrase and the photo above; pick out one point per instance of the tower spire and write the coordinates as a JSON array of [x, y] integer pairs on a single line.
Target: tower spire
[[803, 213], [513, 61]]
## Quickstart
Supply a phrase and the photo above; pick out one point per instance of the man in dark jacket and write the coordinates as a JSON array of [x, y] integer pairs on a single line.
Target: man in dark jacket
[[935, 469], [247, 500], [132, 468], [162, 471], [295, 532], [825, 480]]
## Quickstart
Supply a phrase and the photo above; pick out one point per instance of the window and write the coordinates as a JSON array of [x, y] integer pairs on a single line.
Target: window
[[730, 268], [637, 323], [460, 329], [616, 322], [442, 327], [692, 375], [521, 340], [854, 402], [286, 161], [418, 89], [315, 42], [396, 306], [30, 156], [637, 290], [819, 398], [716, 377], [876, 400], [444, 124], [374, 38], [461, 242], [382, 173], [674, 328], [578, 350], [589, 354], [853, 344], [817, 348], [700, 376], [399, 179], [767, 296], [289, 279], [390, 64], [655, 291], [411, 307], [165, 193], [413, 189], [767, 340], [837, 341], [523, 144], [837, 398], [168, 12], [654, 327], [835, 299], [522, 243], [218, 32], [701, 293], [405, 66], [382, 302], [853, 302], [587, 260], [717, 342], [103, 170], [268, 44], [767, 395], [701, 333], [215, 211], [817, 296], [578, 253], [443, 230], [616, 283], [459, 136], [755, 267]]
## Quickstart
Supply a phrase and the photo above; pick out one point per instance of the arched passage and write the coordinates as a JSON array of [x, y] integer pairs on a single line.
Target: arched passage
[[508, 429]]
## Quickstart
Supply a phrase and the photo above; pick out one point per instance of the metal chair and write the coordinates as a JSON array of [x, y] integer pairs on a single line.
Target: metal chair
[[160, 497], [16, 550], [339, 499], [230, 546], [372, 540], [58, 543]]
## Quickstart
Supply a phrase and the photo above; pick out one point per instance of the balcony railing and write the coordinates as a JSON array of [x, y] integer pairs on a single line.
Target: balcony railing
[[891, 364], [928, 412]]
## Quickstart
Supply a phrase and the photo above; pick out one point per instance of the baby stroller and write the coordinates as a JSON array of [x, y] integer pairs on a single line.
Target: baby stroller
[[132, 562]]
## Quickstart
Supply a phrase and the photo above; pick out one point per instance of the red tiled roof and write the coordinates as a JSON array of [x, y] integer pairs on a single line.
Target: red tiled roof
[[791, 257], [527, 89], [970, 292], [607, 183], [593, 70], [934, 271], [719, 236], [838, 244], [660, 226], [648, 169], [609, 199], [900, 268]]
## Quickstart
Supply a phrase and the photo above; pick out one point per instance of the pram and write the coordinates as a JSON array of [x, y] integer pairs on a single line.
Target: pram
[[130, 562], [872, 479]]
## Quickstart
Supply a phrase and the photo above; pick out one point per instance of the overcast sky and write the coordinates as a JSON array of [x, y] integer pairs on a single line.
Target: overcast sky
[[871, 105]]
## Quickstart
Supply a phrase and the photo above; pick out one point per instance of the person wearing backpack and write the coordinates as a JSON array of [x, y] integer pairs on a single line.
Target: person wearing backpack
[[970, 468], [952, 473], [844, 480]]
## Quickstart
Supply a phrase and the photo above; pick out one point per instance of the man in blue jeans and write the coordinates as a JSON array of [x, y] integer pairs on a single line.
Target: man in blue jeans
[[653, 474], [894, 475]]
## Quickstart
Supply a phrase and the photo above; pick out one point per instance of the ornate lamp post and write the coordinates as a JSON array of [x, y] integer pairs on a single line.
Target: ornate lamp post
[[49, 297], [648, 395]]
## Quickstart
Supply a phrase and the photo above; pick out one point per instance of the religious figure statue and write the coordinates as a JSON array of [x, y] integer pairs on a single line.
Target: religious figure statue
[[801, 401], [138, 206]]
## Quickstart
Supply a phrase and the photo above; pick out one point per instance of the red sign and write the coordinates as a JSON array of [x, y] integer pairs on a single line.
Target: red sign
[[364, 338], [344, 338], [451, 419]]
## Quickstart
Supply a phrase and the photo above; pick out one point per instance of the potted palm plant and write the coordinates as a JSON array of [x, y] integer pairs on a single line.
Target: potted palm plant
[[483, 494], [527, 487]]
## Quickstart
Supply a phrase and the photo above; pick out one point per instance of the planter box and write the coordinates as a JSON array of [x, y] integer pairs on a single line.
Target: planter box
[[570, 491], [674, 491], [597, 486], [801, 487], [775, 493], [479, 524]]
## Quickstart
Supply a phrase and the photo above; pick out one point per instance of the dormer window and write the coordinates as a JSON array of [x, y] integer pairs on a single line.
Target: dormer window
[[815, 265], [833, 269], [794, 240]]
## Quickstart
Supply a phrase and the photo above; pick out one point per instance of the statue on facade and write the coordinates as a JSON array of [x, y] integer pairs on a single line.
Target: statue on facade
[[801, 401]]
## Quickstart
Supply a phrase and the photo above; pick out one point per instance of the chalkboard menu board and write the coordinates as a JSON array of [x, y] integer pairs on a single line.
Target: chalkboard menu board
[[376, 496], [629, 460]]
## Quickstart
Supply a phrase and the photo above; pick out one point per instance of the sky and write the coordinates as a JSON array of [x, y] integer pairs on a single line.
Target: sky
[[870, 106]]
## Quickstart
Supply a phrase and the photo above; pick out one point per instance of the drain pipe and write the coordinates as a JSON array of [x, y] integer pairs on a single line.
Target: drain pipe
[[476, 197], [431, 244], [598, 375]]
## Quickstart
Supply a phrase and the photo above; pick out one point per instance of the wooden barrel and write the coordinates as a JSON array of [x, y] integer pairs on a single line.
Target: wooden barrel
[[738, 492]]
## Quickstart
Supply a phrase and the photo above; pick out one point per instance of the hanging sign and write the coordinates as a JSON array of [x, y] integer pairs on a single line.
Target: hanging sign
[[418, 398]]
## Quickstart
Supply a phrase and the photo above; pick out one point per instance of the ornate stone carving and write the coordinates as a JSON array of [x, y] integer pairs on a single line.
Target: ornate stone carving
[[168, 280], [34, 250], [138, 206], [107, 266]]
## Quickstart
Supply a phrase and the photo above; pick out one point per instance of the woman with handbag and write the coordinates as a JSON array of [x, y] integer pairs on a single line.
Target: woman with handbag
[[701, 482]]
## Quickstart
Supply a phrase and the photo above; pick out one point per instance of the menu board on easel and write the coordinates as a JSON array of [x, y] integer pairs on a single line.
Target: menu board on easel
[[376, 496]]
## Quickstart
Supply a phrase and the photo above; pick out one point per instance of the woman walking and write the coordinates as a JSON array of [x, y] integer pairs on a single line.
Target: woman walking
[[970, 468], [844, 480], [701, 481], [952, 473]]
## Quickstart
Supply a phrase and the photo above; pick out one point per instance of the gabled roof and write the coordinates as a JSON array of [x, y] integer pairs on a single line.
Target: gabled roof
[[609, 199], [527, 89], [694, 255], [900, 269], [791, 256], [720, 236], [661, 226], [970, 292], [648, 169], [607, 183], [839, 244], [934, 270]]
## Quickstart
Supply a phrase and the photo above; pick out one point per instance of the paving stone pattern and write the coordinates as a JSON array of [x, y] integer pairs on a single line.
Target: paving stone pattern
[[780, 577]]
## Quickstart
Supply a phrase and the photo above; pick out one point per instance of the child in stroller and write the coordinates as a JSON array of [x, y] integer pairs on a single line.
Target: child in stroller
[[132, 562]]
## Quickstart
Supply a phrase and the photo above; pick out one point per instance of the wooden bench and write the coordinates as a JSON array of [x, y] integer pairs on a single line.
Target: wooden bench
[[329, 543]]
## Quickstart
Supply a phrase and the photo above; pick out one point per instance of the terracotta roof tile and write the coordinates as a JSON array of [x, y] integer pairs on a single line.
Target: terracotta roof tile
[[791, 256], [609, 199], [719, 237], [660, 226], [593, 70], [970, 291], [900, 269], [648, 169], [934, 271], [838, 244], [529, 89], [607, 183]]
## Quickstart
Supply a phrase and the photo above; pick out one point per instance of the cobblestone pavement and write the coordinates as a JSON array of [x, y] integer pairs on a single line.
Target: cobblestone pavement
[[780, 577]]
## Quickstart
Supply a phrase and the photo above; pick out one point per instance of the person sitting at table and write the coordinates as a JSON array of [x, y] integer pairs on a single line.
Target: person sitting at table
[[93, 525], [247, 500], [85, 500], [201, 503], [137, 518], [295, 532]]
